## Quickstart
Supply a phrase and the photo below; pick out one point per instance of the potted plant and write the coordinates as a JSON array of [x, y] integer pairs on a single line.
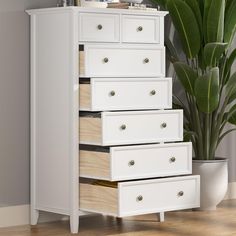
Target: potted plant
[[206, 29]]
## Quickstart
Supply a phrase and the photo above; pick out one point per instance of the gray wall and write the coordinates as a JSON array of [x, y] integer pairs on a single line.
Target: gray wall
[[14, 102], [14, 99]]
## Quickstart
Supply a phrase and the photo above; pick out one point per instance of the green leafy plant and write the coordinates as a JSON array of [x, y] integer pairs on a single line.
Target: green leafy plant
[[206, 29]]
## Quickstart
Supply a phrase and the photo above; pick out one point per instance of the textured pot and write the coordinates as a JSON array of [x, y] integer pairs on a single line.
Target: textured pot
[[214, 181]]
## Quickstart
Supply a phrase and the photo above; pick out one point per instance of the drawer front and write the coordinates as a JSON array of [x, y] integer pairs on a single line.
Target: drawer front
[[146, 161], [126, 94], [141, 29], [142, 127], [168, 194], [124, 62], [95, 27]]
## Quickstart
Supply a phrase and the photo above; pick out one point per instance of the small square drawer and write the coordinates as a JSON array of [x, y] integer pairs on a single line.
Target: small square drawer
[[140, 197], [142, 29], [135, 162], [95, 27], [107, 94], [121, 61], [116, 128]]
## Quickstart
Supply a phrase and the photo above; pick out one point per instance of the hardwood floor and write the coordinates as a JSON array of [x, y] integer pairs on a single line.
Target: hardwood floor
[[183, 223]]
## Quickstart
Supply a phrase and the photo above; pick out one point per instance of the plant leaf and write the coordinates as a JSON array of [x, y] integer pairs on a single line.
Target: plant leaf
[[232, 115], [230, 88], [207, 4], [186, 75], [171, 51], [207, 91], [215, 21], [213, 53], [230, 22], [186, 25], [194, 5]]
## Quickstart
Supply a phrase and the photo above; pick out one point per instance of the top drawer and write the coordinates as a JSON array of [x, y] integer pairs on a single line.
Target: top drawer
[[98, 27], [142, 29]]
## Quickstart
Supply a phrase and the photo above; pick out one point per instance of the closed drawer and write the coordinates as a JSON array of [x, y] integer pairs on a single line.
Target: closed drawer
[[115, 128], [141, 197], [101, 94], [142, 29], [120, 61], [135, 162], [95, 27]]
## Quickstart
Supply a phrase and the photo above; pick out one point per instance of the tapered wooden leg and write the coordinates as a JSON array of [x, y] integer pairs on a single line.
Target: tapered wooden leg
[[74, 223], [161, 217], [34, 215]]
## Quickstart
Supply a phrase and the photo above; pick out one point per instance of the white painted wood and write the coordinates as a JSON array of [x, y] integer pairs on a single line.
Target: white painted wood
[[161, 217], [54, 109], [149, 161], [141, 29], [141, 127], [89, 31], [130, 94], [124, 61], [97, 10], [159, 195]]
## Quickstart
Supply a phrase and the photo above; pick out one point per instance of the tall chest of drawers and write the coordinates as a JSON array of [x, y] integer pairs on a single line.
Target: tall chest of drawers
[[104, 137]]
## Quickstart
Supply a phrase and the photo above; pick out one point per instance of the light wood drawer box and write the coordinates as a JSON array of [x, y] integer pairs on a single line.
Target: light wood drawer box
[[135, 162], [116, 128], [142, 29], [121, 61], [104, 94], [95, 27], [141, 197]]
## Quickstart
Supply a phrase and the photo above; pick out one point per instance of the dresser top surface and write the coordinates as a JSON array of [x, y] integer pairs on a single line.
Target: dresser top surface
[[95, 10]]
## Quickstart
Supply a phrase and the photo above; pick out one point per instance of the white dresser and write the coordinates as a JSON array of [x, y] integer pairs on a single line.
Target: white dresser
[[101, 110]]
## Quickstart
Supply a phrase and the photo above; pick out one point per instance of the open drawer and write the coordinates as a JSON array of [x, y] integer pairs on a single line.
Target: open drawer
[[107, 94], [117, 128], [141, 197], [121, 61], [135, 162]]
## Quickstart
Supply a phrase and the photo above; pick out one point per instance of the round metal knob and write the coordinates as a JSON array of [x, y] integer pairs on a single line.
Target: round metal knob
[[131, 163], [172, 159], [99, 27], [163, 125], [146, 60], [112, 93], [123, 127], [105, 59], [180, 193], [140, 28], [139, 198], [153, 92]]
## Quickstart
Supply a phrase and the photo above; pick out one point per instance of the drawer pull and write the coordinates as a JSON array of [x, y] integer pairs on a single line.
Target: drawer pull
[[112, 93], [123, 127], [153, 92], [180, 193], [140, 28], [131, 163], [146, 60], [163, 125], [105, 60], [172, 159], [99, 27], [139, 198]]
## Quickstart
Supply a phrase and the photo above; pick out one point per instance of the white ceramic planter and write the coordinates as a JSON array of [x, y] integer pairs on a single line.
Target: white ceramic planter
[[214, 181]]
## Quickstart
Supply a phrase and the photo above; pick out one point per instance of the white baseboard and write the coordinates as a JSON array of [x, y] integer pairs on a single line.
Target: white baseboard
[[20, 215], [14, 215], [231, 193]]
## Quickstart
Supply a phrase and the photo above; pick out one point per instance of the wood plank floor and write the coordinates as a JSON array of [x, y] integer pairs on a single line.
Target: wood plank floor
[[183, 223]]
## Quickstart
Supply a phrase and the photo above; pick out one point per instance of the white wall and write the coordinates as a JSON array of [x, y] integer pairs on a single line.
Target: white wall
[[14, 99]]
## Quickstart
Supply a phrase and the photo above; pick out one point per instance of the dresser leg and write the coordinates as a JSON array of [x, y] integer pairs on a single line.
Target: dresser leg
[[34, 215], [161, 217], [74, 224]]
